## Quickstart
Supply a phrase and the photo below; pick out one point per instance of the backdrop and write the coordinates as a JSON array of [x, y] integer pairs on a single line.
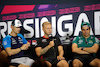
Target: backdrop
[[65, 19]]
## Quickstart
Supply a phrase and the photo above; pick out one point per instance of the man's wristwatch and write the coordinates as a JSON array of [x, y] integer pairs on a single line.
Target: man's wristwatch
[[82, 48]]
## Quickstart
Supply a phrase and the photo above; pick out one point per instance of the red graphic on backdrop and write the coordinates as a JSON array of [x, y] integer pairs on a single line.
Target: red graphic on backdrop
[[17, 8]]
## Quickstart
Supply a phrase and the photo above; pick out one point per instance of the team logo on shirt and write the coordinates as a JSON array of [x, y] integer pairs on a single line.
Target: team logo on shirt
[[80, 41], [20, 39], [97, 41], [34, 42], [5, 42], [44, 40], [90, 41], [13, 41]]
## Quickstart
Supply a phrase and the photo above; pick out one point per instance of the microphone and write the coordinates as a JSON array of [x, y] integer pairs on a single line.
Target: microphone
[[67, 37], [67, 40], [51, 37]]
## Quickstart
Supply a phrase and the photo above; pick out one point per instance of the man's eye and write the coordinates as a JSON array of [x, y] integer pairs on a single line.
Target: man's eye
[[83, 29]]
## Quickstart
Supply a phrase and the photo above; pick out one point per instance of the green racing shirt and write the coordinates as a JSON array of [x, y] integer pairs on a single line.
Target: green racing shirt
[[85, 42]]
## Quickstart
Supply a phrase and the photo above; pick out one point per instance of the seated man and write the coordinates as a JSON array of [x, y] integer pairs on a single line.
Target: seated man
[[48, 48], [84, 47], [14, 44]]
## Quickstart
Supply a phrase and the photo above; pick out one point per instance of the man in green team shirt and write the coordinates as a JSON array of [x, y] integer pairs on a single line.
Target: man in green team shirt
[[84, 47]]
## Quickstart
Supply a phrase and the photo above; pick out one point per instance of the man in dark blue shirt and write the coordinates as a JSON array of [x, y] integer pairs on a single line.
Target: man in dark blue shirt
[[15, 43]]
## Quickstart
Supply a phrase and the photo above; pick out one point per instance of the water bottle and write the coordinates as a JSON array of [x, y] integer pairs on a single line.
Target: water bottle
[[67, 40]]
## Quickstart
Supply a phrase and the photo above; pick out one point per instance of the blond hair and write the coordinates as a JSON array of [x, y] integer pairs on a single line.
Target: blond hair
[[45, 23]]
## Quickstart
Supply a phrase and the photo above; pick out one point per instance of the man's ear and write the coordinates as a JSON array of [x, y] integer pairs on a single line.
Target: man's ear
[[11, 26]]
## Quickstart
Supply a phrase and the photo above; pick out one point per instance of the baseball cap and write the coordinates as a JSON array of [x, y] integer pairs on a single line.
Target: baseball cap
[[16, 23], [85, 24]]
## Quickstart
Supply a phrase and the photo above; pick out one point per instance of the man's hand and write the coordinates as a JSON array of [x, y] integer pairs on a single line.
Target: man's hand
[[60, 58], [80, 48], [51, 44], [24, 47]]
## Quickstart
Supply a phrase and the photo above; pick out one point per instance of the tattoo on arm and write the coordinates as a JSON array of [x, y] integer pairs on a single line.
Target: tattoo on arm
[[44, 50]]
